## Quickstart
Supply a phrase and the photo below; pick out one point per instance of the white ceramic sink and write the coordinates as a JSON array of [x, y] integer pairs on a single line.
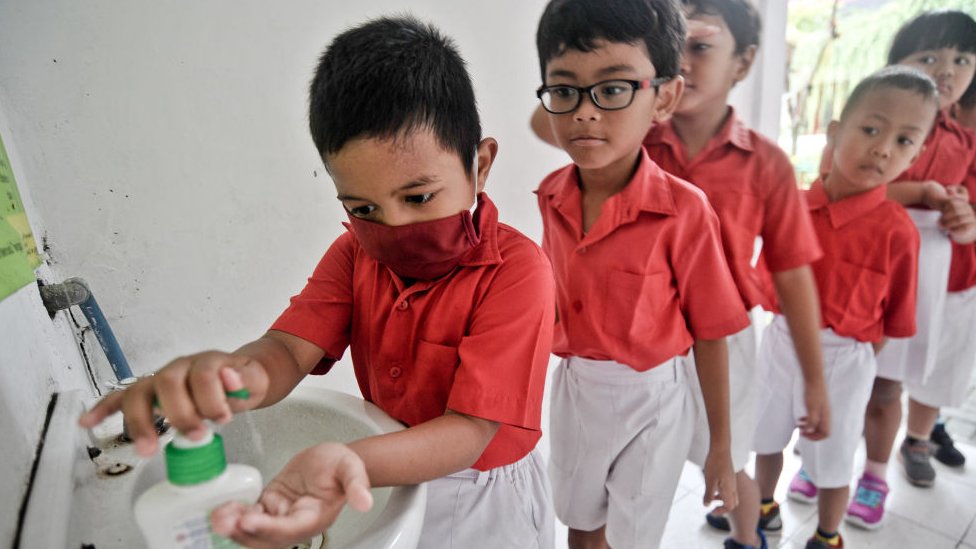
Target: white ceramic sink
[[101, 500]]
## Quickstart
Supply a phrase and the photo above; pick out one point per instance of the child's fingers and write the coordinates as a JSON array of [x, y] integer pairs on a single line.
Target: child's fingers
[[355, 484], [224, 518], [105, 407], [176, 402], [137, 408]]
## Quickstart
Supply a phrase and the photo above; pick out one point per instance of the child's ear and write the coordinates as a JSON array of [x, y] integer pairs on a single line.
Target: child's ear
[[832, 132], [744, 62], [668, 96], [487, 151]]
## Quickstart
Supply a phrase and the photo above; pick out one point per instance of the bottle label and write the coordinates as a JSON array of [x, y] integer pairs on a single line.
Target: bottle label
[[196, 533]]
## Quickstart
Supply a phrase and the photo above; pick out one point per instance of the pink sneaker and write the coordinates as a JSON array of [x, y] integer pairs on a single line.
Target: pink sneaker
[[802, 488], [867, 508]]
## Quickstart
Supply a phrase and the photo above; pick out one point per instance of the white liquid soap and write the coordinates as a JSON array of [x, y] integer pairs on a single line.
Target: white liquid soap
[[175, 513]]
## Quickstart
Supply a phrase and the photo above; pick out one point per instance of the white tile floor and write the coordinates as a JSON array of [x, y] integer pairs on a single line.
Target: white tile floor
[[940, 517]]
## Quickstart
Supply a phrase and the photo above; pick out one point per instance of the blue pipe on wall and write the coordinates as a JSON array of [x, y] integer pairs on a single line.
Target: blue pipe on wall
[[75, 291]]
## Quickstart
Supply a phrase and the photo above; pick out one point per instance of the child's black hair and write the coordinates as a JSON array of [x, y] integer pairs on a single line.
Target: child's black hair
[[899, 77], [579, 24], [741, 16], [934, 30], [388, 77]]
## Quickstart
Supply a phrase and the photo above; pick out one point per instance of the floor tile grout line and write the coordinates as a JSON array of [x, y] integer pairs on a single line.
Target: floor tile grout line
[[965, 534]]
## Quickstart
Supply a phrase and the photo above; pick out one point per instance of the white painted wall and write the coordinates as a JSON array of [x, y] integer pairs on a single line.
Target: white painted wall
[[164, 147], [38, 357]]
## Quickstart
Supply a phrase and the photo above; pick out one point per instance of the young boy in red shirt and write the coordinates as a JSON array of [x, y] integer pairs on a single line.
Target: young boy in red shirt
[[447, 312], [640, 278], [935, 364], [867, 284], [750, 183]]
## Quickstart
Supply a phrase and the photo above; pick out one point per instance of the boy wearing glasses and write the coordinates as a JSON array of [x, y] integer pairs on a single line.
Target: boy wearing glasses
[[640, 278]]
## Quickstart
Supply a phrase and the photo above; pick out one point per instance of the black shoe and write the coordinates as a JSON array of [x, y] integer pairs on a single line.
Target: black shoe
[[945, 449], [768, 522]]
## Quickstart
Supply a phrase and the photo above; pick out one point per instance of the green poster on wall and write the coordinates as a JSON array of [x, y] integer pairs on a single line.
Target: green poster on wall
[[18, 252]]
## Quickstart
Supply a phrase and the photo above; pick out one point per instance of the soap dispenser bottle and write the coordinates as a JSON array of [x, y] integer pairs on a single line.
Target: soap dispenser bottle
[[175, 513]]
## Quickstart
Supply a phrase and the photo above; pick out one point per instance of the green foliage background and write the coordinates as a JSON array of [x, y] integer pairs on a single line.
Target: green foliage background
[[863, 37]]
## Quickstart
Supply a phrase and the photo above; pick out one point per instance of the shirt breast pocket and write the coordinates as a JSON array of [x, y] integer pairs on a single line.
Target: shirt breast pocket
[[860, 291], [634, 302], [433, 374]]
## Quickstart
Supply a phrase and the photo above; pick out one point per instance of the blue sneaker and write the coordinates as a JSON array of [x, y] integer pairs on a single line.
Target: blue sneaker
[[732, 544]]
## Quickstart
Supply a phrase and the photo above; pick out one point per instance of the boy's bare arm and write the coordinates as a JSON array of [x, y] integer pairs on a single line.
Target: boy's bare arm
[[191, 389], [913, 193], [433, 449], [712, 364], [797, 294]]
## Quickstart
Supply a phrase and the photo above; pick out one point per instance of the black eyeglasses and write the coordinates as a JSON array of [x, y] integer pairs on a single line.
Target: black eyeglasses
[[609, 95]]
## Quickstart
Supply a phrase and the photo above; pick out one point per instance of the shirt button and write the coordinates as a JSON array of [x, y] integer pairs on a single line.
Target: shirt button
[[403, 305], [395, 372], [577, 305]]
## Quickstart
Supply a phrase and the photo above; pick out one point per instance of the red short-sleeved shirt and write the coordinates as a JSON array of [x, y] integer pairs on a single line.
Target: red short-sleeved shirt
[[750, 184], [647, 280], [475, 341], [950, 158], [869, 272]]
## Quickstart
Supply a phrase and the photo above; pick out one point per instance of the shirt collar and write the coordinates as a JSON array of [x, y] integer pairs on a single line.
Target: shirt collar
[[732, 132], [646, 191], [486, 221], [842, 212]]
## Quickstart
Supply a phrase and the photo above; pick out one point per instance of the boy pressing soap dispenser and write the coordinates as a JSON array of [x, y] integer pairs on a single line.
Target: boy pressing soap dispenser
[[175, 513]]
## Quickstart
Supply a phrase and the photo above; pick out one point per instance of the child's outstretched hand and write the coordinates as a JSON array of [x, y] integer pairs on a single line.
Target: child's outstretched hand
[[302, 501], [720, 481], [816, 424], [189, 390]]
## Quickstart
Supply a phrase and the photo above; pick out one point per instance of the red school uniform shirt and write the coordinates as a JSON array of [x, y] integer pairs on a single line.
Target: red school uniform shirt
[[950, 158], [867, 277], [750, 184], [475, 341], [648, 278]]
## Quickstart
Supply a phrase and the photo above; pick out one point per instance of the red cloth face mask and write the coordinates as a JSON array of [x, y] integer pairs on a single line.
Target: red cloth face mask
[[422, 251]]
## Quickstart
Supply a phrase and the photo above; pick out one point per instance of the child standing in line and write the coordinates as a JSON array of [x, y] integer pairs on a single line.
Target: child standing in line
[[750, 183], [935, 190], [640, 278], [867, 283], [447, 312]]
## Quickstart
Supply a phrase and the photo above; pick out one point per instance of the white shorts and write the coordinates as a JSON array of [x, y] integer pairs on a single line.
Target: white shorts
[[949, 381], [849, 370], [506, 507], [619, 442], [743, 391], [912, 359]]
